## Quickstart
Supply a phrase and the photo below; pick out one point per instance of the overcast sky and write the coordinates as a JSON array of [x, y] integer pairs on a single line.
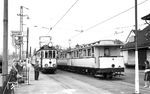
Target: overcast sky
[[84, 15]]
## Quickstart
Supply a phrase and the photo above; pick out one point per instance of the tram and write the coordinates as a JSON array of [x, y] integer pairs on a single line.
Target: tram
[[46, 58], [99, 58]]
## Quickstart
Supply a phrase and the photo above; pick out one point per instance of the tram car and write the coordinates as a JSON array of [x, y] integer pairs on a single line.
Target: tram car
[[99, 58], [46, 58]]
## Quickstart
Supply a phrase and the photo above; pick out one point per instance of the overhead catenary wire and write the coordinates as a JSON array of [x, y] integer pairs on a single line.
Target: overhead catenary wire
[[85, 30], [131, 26], [64, 14], [93, 26]]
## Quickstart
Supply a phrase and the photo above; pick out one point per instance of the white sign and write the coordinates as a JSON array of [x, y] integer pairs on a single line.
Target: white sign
[[16, 32]]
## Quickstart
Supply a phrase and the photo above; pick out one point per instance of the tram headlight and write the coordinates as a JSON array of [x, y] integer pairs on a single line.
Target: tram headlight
[[46, 65], [54, 65]]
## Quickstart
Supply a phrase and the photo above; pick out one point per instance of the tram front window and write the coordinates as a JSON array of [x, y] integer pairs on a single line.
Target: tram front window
[[46, 54], [106, 52], [54, 54], [50, 54]]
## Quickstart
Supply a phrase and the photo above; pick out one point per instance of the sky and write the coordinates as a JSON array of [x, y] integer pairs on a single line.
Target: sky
[[87, 15]]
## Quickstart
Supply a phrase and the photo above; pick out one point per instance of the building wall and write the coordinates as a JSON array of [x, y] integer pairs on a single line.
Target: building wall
[[125, 56], [131, 57], [148, 55]]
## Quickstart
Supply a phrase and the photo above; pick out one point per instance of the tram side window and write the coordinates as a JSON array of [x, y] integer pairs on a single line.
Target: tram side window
[[77, 53], [84, 52], [80, 53], [92, 51], [50, 54], [89, 52], [106, 52], [71, 54]]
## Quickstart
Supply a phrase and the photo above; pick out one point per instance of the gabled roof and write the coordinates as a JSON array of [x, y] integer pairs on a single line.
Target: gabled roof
[[143, 39], [147, 17]]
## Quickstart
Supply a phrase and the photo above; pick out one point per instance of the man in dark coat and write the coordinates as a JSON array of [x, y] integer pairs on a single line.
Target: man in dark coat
[[36, 71]]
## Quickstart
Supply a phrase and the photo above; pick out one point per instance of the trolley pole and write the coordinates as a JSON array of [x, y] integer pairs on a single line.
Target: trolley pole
[[136, 53], [5, 43]]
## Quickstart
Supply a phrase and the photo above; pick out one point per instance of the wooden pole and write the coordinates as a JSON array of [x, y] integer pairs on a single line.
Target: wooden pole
[[5, 43]]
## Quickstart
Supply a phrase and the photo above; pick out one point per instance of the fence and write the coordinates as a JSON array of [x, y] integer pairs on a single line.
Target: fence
[[19, 74]]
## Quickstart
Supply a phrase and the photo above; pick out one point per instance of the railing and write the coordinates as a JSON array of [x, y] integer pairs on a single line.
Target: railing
[[14, 78], [9, 84]]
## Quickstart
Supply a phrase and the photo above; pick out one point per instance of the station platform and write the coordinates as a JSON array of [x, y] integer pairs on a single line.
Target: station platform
[[46, 85], [43, 85]]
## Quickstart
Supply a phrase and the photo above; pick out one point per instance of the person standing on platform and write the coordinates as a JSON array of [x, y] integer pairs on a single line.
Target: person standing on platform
[[36, 71], [147, 74]]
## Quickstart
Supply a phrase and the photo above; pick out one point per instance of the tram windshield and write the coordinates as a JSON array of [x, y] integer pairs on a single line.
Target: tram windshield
[[50, 54]]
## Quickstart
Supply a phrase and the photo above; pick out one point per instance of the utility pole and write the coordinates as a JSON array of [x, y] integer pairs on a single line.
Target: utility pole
[[5, 43], [21, 30], [27, 54], [136, 53], [30, 52]]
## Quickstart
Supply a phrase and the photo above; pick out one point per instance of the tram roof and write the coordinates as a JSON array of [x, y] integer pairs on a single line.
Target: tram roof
[[105, 43], [46, 47], [100, 43]]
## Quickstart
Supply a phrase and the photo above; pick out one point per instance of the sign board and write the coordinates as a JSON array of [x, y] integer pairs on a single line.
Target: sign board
[[16, 33], [44, 40]]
